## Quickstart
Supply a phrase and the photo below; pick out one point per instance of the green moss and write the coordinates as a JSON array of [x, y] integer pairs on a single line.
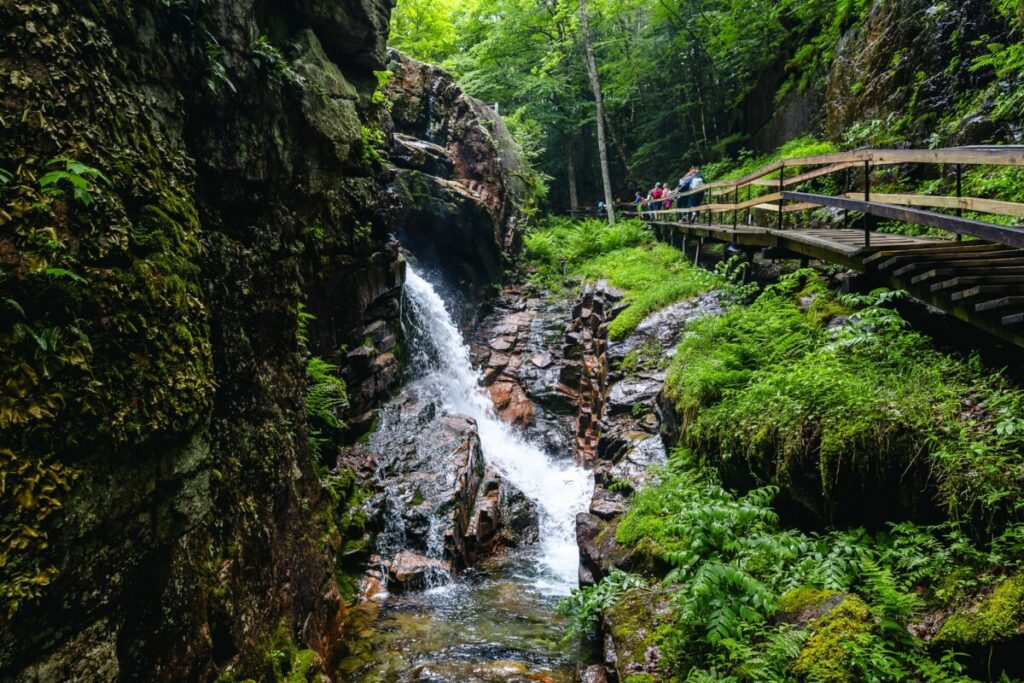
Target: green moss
[[866, 404], [640, 678], [634, 623], [999, 616], [301, 667], [803, 598], [825, 656]]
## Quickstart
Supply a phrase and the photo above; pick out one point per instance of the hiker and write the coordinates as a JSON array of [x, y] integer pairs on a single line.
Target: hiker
[[639, 201], [681, 189], [655, 197], [667, 204], [696, 199]]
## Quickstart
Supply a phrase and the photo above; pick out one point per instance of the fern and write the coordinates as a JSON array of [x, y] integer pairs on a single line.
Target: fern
[[326, 401]]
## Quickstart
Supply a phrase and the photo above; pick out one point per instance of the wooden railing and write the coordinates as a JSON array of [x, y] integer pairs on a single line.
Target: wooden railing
[[898, 207]]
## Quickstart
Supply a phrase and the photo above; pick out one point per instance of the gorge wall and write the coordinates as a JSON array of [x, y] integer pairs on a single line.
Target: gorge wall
[[192, 203], [458, 178]]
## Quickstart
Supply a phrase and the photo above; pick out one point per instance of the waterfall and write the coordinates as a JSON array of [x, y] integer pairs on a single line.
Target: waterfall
[[561, 489]]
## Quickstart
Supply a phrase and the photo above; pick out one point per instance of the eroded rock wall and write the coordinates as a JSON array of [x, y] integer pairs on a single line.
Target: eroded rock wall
[[458, 178], [162, 516]]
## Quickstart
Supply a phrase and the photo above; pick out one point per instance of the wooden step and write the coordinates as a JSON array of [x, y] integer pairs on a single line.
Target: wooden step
[[994, 255], [980, 280], [1003, 302], [925, 249], [1006, 258], [984, 290], [1013, 319], [958, 272]]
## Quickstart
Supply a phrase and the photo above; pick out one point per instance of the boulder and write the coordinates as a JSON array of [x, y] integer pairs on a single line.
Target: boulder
[[413, 570]]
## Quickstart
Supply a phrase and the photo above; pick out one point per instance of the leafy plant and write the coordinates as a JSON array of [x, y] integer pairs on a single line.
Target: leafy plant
[[269, 59], [584, 606], [79, 177]]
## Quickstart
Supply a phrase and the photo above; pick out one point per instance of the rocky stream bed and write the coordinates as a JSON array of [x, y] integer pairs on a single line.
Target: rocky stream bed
[[500, 471]]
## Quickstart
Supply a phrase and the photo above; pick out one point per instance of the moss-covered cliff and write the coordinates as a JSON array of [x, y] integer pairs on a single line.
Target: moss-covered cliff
[[176, 176]]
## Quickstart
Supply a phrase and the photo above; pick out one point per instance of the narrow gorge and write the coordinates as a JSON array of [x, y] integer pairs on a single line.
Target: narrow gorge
[[324, 362]]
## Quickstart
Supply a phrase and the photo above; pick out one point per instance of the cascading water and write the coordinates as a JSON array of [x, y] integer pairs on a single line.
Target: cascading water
[[560, 489], [497, 623]]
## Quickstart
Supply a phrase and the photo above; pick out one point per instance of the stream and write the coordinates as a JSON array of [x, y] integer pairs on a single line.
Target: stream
[[497, 621]]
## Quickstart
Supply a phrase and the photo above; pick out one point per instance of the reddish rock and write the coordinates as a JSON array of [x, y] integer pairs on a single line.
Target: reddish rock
[[409, 568], [511, 402]]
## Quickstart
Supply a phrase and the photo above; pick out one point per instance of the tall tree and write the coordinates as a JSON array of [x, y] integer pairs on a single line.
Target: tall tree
[[595, 82]]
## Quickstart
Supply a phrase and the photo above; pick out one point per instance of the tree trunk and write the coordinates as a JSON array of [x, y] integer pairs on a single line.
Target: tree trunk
[[570, 171], [595, 82]]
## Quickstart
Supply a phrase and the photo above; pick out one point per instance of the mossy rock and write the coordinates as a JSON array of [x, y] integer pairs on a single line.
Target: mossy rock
[[807, 602], [633, 624], [825, 657], [997, 617]]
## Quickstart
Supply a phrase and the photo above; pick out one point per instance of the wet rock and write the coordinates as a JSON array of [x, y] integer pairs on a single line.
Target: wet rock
[[511, 402], [599, 551], [631, 392], [500, 671], [607, 504], [634, 467], [371, 588], [503, 517], [522, 377], [595, 673], [412, 570], [430, 468], [458, 180], [519, 515]]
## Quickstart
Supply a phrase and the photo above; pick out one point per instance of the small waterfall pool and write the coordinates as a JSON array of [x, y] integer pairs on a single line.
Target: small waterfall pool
[[495, 622]]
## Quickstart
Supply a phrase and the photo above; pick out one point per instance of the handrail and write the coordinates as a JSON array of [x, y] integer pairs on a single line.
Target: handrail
[[981, 155], [1013, 237], [891, 206]]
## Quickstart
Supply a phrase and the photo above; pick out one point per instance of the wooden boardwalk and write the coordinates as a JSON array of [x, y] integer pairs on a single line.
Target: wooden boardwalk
[[979, 280], [980, 283]]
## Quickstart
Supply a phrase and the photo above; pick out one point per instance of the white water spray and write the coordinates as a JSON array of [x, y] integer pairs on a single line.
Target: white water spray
[[560, 489]]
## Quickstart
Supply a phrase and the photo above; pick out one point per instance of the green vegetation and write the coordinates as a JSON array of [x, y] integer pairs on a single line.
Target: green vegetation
[[271, 61], [651, 275], [862, 401], [848, 595], [857, 403]]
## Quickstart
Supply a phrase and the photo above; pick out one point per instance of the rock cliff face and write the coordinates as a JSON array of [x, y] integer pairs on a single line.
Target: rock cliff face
[[457, 179], [162, 516], [912, 59]]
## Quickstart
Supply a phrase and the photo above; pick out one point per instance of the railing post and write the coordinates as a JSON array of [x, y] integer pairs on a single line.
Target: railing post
[[735, 201], [750, 192], [782, 176], [846, 190], [868, 218], [959, 194]]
